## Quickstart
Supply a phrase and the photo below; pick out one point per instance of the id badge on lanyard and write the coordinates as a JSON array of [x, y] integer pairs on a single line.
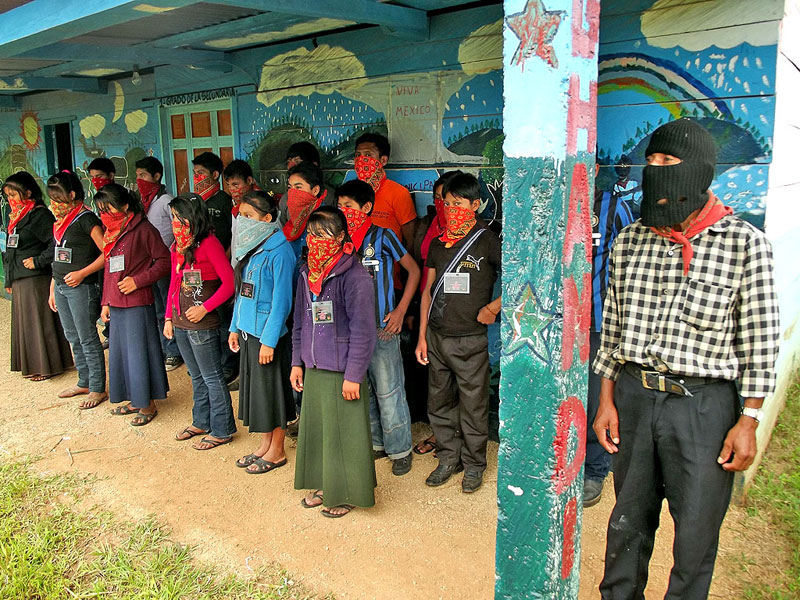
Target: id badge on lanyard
[[116, 263], [322, 312], [63, 254], [248, 289], [192, 278], [13, 240], [456, 283]]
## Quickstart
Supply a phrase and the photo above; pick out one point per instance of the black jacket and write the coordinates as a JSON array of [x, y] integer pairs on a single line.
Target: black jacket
[[35, 232]]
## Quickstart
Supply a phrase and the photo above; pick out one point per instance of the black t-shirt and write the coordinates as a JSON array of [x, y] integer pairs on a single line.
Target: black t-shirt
[[454, 313], [78, 238], [219, 208]]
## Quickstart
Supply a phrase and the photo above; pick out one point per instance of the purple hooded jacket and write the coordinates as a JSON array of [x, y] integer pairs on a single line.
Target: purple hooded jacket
[[346, 345]]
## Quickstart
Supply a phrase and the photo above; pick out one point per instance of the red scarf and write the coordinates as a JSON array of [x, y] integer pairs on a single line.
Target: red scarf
[[115, 224], [460, 222], [370, 170], [205, 187], [358, 223], [18, 211], [712, 212], [435, 230], [99, 182], [65, 213], [148, 190], [183, 240], [301, 204], [323, 254], [236, 198]]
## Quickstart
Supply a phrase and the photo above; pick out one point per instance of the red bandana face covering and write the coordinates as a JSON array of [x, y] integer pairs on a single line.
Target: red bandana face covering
[[301, 204], [370, 170], [323, 254], [18, 210], [357, 224], [183, 240], [99, 182], [460, 222], [148, 191], [205, 187], [65, 213], [115, 224]]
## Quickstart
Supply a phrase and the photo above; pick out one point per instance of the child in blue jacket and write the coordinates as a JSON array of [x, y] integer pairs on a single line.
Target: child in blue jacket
[[266, 263]]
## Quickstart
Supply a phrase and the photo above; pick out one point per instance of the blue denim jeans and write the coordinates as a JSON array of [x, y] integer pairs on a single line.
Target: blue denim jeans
[[78, 309], [212, 410], [160, 292], [389, 417]]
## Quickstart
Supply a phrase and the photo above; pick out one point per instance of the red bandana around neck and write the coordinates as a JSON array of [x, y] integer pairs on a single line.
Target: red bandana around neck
[[460, 222], [358, 223], [300, 204], [713, 211], [370, 170], [148, 190], [18, 210], [115, 224], [323, 255], [237, 195], [99, 182], [205, 187], [65, 213], [183, 240]]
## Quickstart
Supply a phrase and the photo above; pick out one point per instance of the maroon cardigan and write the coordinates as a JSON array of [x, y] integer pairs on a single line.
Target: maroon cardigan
[[146, 261]]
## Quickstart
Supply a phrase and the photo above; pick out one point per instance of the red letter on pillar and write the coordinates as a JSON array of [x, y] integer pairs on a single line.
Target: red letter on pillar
[[584, 41], [577, 321], [581, 114], [579, 224], [568, 547], [571, 412]]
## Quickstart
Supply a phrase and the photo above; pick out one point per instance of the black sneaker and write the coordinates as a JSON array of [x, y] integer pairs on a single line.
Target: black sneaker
[[592, 492], [472, 481], [401, 466], [378, 454], [442, 473], [172, 363]]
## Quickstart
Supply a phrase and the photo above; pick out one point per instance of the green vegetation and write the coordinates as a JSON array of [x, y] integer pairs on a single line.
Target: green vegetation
[[775, 496], [52, 548]]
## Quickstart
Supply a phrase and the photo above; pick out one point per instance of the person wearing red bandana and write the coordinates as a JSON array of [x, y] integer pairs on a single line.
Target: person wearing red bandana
[[75, 286], [333, 338], [306, 194], [379, 250], [101, 172], [155, 200], [297, 153], [394, 208], [690, 325], [136, 258], [455, 310], [38, 346]]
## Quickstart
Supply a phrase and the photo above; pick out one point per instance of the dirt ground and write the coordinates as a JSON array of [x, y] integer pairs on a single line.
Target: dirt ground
[[417, 542]]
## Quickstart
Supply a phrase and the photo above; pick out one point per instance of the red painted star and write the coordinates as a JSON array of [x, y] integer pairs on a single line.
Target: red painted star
[[535, 27]]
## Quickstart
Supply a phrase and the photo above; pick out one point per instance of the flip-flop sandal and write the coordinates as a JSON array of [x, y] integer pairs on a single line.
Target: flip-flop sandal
[[143, 418], [314, 495], [247, 460], [418, 449], [73, 391], [326, 512], [213, 443], [93, 403], [125, 409], [189, 434], [265, 466]]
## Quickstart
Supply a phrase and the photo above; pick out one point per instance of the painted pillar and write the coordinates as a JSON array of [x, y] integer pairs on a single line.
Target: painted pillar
[[550, 88]]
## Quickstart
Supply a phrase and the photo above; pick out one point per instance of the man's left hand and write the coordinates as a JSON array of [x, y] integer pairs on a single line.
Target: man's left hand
[[394, 321], [741, 444]]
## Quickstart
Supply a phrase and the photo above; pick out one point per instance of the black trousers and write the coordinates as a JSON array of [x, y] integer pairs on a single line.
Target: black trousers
[[458, 398], [668, 448]]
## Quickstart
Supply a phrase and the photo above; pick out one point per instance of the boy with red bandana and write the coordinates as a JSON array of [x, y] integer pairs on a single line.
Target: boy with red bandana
[[101, 172], [394, 208], [207, 168], [456, 307]]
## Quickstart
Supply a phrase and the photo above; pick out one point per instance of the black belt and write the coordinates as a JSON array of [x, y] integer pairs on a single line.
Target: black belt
[[669, 382]]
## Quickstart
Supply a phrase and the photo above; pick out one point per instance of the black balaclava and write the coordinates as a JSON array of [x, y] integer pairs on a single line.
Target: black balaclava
[[684, 185]]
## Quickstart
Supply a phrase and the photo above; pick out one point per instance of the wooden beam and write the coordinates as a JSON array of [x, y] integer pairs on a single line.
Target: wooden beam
[[88, 85], [399, 20], [145, 54], [7, 101]]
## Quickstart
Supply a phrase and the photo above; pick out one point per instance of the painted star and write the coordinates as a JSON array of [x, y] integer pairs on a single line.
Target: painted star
[[535, 27], [530, 322]]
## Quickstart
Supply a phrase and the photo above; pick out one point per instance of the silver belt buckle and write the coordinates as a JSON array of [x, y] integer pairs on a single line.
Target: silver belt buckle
[[660, 383]]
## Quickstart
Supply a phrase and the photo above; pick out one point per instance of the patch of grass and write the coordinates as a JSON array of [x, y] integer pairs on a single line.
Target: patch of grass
[[775, 495], [49, 549]]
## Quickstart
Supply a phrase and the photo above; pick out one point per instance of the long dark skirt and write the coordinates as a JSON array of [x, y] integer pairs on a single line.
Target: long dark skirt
[[265, 394], [334, 447], [38, 345], [136, 372]]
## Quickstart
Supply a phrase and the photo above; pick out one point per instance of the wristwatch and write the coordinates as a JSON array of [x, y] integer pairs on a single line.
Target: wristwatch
[[753, 413]]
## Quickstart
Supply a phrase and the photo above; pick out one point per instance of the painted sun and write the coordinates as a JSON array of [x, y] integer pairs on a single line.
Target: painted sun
[[30, 130]]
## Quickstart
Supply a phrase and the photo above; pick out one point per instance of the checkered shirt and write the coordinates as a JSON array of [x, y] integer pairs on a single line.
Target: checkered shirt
[[720, 321]]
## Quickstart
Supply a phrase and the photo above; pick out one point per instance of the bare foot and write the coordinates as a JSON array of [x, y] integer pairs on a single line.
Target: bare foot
[[93, 399]]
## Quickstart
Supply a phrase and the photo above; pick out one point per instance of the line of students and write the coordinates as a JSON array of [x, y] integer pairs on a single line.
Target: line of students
[[240, 282]]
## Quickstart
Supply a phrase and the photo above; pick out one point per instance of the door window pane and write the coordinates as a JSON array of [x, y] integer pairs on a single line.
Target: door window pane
[[224, 122], [178, 127], [181, 171], [201, 124]]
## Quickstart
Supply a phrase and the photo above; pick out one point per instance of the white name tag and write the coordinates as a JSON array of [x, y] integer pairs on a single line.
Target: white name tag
[[63, 255], [116, 263], [13, 240], [456, 283], [322, 312]]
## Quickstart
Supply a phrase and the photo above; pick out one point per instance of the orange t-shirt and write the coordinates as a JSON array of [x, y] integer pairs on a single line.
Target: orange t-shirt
[[393, 207]]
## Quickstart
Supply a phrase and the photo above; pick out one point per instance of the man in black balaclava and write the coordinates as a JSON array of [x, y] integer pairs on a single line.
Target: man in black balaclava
[[690, 310]]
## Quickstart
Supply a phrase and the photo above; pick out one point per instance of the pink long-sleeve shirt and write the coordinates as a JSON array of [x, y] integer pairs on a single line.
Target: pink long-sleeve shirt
[[210, 259]]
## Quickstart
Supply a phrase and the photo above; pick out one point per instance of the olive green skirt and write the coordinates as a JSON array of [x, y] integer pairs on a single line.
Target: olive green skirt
[[334, 444]]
